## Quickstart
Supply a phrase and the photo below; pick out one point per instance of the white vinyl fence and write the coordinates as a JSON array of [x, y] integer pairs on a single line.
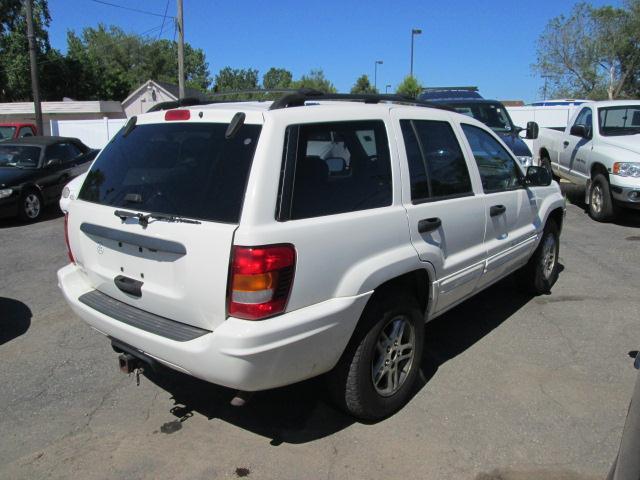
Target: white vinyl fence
[[93, 133]]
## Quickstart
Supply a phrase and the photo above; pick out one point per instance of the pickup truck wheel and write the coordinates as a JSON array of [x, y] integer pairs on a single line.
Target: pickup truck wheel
[[541, 272], [30, 206], [377, 372], [601, 206]]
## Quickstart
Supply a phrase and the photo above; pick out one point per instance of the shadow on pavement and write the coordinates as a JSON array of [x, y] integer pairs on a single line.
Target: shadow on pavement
[[575, 195], [300, 413], [15, 319], [455, 331], [50, 212]]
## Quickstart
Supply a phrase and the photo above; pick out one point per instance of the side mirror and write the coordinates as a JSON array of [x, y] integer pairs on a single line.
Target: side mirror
[[579, 131], [532, 131], [537, 177], [53, 162]]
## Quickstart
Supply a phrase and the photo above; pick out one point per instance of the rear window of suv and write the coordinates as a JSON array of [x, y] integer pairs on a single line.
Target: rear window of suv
[[184, 169]]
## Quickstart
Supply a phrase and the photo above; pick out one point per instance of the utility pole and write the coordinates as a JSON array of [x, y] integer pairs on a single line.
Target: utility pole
[[35, 87], [180, 51]]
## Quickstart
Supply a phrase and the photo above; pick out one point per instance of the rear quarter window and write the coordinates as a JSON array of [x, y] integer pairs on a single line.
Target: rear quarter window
[[184, 169], [335, 167]]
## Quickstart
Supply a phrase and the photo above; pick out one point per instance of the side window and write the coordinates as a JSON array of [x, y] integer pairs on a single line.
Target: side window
[[498, 170], [25, 132], [337, 167], [437, 167], [585, 118]]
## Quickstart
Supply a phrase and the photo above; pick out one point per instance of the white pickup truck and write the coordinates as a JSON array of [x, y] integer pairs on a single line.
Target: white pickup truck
[[600, 149]]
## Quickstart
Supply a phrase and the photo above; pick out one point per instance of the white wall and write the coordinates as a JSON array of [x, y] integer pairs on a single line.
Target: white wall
[[93, 133]]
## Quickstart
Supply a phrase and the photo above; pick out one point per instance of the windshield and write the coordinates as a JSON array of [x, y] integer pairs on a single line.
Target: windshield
[[493, 115], [184, 169], [19, 156], [7, 132], [622, 120]]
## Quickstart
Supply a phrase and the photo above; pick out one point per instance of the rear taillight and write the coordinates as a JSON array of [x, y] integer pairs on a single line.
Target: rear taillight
[[66, 238], [260, 281]]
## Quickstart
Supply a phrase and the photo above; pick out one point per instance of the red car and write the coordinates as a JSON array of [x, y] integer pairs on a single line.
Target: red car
[[12, 130]]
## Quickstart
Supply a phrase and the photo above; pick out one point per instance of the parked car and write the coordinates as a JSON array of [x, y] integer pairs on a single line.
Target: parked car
[[492, 113], [34, 170], [258, 244], [13, 130], [599, 149]]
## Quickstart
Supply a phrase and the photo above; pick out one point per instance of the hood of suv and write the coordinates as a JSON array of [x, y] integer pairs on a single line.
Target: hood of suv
[[515, 143]]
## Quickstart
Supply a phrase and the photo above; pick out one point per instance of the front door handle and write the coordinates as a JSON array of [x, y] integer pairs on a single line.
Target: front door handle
[[497, 210], [427, 225]]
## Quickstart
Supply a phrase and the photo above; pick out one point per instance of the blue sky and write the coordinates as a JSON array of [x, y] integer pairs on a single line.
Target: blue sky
[[488, 43]]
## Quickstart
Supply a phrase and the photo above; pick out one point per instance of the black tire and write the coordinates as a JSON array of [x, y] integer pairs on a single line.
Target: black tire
[[351, 382], [602, 207], [31, 206], [541, 271]]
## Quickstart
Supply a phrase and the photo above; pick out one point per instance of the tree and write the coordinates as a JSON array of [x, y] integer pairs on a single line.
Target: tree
[[109, 63], [593, 53], [315, 80], [236, 79], [277, 78], [363, 85], [409, 87], [15, 81]]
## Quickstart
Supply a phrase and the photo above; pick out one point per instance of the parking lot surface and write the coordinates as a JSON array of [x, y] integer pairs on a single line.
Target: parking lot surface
[[514, 387]]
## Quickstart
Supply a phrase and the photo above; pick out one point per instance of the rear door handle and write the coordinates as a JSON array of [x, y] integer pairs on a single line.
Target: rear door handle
[[427, 225], [497, 210], [128, 285]]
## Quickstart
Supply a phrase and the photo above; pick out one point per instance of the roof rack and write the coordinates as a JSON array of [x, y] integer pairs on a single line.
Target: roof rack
[[300, 97], [297, 98]]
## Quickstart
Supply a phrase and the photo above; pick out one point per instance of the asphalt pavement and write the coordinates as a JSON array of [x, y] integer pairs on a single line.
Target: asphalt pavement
[[513, 387]]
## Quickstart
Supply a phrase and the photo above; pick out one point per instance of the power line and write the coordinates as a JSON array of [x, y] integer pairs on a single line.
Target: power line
[[163, 19], [146, 12]]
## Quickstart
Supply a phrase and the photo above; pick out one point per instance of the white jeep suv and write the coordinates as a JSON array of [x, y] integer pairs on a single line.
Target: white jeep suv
[[258, 244]]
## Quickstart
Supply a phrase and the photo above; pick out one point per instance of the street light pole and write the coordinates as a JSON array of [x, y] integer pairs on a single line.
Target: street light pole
[[375, 73], [414, 32]]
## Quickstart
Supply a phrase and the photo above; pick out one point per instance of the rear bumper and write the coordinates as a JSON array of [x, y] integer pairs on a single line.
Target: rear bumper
[[238, 354]]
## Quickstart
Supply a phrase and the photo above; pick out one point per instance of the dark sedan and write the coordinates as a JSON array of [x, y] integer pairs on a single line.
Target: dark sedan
[[34, 170]]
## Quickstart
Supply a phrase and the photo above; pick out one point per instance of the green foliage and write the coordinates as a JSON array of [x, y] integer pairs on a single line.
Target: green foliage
[[363, 85], [236, 79], [277, 78], [592, 53], [409, 87], [15, 80], [315, 80], [110, 63]]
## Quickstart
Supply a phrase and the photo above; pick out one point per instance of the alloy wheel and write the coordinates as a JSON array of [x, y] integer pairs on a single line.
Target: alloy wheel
[[393, 356]]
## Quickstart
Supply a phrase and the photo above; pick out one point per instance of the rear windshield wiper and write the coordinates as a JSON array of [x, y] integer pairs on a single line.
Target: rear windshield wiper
[[144, 219]]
